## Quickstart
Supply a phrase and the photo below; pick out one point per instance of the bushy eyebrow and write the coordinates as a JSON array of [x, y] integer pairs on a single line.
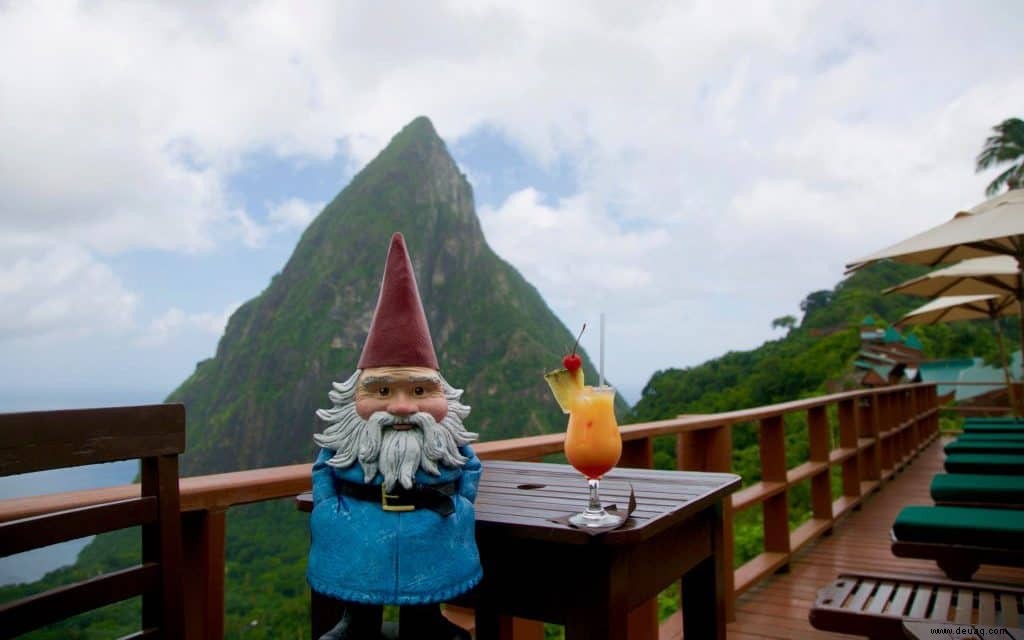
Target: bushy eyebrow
[[431, 379], [372, 380]]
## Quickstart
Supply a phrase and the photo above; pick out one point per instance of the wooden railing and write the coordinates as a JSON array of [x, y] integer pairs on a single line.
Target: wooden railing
[[867, 435]]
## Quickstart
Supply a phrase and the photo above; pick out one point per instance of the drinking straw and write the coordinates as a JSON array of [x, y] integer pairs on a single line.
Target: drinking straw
[[601, 352]]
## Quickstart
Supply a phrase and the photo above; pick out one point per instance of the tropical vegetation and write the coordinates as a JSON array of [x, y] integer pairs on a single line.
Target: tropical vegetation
[[1006, 144]]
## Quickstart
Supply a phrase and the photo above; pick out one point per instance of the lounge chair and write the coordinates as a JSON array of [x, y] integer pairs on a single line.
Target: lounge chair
[[1009, 436], [985, 463], [994, 419], [960, 539], [876, 605], [976, 490], [985, 446], [994, 427]]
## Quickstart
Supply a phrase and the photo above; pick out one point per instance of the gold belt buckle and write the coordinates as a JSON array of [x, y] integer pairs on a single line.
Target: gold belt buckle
[[384, 495]]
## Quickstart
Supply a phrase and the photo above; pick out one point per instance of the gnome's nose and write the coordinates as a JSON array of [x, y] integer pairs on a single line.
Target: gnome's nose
[[401, 406]]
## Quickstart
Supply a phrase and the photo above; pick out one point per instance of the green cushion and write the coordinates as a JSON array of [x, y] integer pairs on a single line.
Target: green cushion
[[992, 419], [998, 528], [994, 427], [985, 446], [985, 463], [970, 487], [991, 437]]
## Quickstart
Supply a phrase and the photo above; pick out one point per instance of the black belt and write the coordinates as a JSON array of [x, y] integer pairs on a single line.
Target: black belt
[[436, 497]]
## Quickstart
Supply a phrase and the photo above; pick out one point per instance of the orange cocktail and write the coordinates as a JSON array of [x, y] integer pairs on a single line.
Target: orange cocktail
[[593, 444]]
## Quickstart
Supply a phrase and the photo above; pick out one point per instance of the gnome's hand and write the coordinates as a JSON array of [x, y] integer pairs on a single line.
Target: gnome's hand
[[470, 479], [323, 479]]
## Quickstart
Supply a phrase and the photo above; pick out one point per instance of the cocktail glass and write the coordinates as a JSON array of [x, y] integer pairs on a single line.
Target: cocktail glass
[[593, 446]]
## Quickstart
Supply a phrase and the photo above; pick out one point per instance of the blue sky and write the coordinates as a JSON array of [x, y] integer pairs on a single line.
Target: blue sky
[[692, 169]]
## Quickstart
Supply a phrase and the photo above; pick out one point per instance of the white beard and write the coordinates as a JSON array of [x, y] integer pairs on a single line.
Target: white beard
[[397, 455]]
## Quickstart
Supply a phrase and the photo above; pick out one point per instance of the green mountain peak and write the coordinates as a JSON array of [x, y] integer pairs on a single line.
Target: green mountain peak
[[253, 404]]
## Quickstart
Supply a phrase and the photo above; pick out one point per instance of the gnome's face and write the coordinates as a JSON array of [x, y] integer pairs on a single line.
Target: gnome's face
[[401, 392], [395, 420]]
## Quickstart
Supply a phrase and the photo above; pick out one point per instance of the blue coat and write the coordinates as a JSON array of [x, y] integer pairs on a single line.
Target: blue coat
[[361, 553]]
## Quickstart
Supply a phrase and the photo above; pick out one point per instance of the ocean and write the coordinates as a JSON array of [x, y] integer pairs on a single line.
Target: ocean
[[32, 565]]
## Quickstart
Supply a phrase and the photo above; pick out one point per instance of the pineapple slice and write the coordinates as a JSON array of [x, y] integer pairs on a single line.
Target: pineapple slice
[[565, 385]]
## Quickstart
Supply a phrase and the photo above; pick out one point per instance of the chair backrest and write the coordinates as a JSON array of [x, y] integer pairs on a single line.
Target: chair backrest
[[154, 434]]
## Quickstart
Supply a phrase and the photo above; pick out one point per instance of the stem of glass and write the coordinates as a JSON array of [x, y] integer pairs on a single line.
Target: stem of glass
[[595, 500]]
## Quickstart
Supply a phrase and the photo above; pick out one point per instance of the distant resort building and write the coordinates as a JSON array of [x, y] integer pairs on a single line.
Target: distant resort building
[[887, 357], [971, 370]]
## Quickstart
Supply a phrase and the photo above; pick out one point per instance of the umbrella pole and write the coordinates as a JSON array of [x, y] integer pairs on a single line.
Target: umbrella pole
[[1020, 303], [1006, 367]]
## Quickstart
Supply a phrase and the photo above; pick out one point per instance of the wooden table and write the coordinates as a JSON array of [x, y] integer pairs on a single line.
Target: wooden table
[[544, 570]]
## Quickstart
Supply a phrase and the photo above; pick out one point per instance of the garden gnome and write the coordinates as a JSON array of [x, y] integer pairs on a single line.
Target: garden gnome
[[395, 479]]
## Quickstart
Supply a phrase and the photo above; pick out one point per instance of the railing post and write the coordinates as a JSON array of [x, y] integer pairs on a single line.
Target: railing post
[[910, 418], [643, 619], [913, 409], [848, 414], [821, 483], [897, 425], [637, 454], [711, 450], [887, 427], [720, 460], [203, 544], [870, 457], [691, 450], [927, 399], [773, 469]]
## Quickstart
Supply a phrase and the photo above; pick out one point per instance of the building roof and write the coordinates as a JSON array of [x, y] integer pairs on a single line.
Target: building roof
[[912, 342], [967, 370]]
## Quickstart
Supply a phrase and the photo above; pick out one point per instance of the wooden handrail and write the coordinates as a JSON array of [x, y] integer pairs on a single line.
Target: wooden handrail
[[224, 490], [879, 431]]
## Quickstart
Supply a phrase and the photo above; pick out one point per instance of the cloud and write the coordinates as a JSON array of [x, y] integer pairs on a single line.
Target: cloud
[[59, 291], [174, 321], [572, 249], [287, 215], [726, 158], [293, 213]]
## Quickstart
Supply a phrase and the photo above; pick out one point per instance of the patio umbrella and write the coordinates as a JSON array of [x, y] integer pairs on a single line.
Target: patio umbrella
[[953, 308], [994, 227], [977, 276]]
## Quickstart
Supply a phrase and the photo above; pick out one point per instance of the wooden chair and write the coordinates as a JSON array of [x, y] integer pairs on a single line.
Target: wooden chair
[[44, 440], [877, 605]]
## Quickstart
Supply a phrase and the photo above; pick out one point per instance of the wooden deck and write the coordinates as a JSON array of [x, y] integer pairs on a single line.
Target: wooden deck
[[778, 607]]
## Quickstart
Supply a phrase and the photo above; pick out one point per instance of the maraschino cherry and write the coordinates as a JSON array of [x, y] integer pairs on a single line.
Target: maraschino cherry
[[573, 361]]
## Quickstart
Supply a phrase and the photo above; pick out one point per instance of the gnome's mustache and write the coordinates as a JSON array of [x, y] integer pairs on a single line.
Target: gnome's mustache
[[380, 443], [407, 444], [400, 423]]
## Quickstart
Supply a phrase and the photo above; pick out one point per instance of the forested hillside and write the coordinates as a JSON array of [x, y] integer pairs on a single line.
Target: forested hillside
[[817, 349], [821, 348]]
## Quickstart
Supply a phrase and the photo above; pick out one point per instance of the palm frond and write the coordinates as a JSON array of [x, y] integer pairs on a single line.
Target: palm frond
[[1004, 177], [1006, 145]]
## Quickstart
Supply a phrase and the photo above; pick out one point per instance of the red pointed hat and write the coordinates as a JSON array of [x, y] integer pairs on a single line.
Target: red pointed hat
[[399, 335]]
